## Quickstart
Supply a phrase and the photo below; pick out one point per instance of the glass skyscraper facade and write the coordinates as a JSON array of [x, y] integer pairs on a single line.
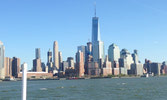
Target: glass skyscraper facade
[[82, 48], [97, 44], [113, 53], [95, 29]]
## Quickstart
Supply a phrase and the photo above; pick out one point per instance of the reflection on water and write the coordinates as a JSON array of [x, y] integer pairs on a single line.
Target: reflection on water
[[93, 89]]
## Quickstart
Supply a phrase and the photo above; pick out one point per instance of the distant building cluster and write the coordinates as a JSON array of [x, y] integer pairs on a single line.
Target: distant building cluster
[[90, 60]]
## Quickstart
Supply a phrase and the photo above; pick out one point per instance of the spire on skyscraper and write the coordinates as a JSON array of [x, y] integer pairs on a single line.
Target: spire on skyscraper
[[95, 8], [95, 28]]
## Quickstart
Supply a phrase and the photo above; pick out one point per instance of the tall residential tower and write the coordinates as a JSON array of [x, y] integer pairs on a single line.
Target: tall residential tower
[[55, 55], [80, 63]]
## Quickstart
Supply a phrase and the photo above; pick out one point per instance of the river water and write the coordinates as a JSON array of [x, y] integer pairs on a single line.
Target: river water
[[154, 88]]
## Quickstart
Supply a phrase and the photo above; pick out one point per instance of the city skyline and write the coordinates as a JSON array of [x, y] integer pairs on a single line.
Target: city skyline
[[24, 42]]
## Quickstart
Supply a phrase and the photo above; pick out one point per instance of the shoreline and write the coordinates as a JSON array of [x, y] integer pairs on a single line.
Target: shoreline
[[76, 78]]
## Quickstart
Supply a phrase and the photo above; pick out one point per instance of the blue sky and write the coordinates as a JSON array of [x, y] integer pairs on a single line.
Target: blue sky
[[131, 24]]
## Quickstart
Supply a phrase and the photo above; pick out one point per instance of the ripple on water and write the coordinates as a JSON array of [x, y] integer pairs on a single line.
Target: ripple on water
[[123, 83], [60, 87], [43, 89]]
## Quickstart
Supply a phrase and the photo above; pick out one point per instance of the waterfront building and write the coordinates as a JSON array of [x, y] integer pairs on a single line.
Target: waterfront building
[[100, 63], [146, 66], [107, 68], [97, 44], [2, 58], [93, 69], [60, 59], [36, 75], [47, 69], [89, 48], [61, 74], [49, 56], [122, 63], [152, 67], [49, 62], [164, 68], [64, 66], [116, 71], [70, 61], [43, 66], [113, 53], [116, 64], [15, 66], [80, 63], [37, 53], [82, 48], [127, 57], [56, 55], [8, 67], [123, 71], [37, 65], [155, 68], [89, 59], [135, 57], [107, 63], [98, 51], [136, 69], [70, 72]]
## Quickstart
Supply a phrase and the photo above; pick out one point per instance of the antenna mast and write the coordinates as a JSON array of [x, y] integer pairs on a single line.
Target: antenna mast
[[95, 8]]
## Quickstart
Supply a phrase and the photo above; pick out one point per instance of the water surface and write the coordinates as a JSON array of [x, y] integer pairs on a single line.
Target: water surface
[[93, 89]]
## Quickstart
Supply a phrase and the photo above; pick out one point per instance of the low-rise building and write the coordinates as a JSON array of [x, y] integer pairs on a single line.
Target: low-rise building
[[116, 71], [107, 68], [123, 71], [37, 75], [93, 69], [137, 69], [70, 72]]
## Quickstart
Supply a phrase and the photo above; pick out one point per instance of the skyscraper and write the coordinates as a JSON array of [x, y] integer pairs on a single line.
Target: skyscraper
[[98, 51], [37, 53], [8, 67], [60, 59], [15, 66], [82, 48], [95, 29], [113, 53], [128, 57], [107, 68], [97, 44], [135, 57], [2, 58], [49, 63], [55, 55], [80, 63], [89, 48], [37, 61], [49, 55], [37, 65], [64, 66], [70, 61]]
